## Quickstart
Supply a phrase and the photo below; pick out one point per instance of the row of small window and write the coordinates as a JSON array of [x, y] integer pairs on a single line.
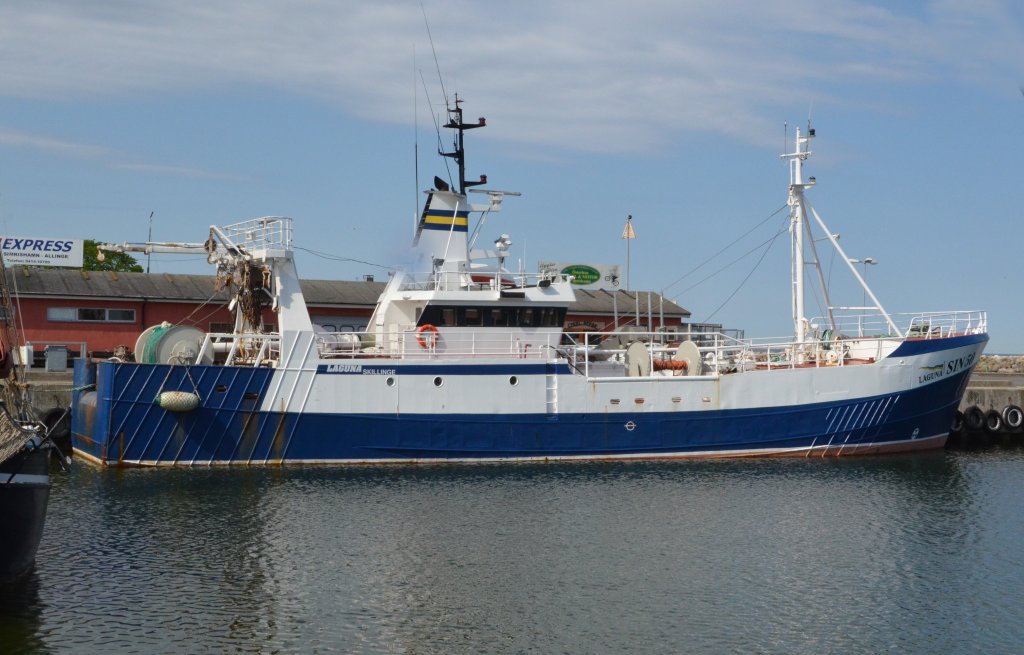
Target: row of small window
[[90, 314], [439, 381], [492, 316], [110, 315]]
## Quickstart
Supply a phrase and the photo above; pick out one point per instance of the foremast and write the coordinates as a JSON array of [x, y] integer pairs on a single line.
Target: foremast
[[800, 214], [797, 229]]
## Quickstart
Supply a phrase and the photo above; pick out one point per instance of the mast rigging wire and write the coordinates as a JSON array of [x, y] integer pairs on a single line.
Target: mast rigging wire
[[741, 257], [339, 258], [735, 291], [731, 244], [437, 130]]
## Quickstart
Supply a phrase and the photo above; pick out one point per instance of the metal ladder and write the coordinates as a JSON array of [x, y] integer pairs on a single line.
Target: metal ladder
[[551, 389]]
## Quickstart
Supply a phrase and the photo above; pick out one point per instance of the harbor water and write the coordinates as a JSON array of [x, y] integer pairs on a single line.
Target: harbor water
[[907, 554]]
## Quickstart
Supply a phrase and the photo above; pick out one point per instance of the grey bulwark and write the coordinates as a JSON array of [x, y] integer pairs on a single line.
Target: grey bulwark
[[171, 287]]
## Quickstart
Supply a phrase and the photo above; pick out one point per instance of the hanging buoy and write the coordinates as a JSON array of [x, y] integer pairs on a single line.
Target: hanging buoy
[[177, 401]]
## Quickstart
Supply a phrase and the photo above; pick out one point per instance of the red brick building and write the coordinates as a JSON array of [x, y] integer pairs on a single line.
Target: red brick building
[[98, 311]]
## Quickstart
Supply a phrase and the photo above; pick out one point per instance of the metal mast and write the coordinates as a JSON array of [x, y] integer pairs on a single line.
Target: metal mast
[[801, 213], [797, 229], [459, 154]]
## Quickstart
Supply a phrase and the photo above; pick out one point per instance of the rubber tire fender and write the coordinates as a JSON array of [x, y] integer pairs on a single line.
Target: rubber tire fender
[[993, 421], [974, 418], [58, 422], [1013, 417], [957, 426]]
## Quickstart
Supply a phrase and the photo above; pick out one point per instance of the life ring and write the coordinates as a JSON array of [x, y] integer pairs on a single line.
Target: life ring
[[426, 336]]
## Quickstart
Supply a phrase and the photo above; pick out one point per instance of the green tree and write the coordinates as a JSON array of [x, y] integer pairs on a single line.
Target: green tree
[[112, 261]]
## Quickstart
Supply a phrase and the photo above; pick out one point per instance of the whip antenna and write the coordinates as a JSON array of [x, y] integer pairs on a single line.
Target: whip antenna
[[433, 50]]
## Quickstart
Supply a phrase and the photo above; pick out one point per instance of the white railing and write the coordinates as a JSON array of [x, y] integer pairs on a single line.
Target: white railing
[[600, 354], [247, 349], [480, 280], [258, 233], [608, 354], [722, 353], [411, 343]]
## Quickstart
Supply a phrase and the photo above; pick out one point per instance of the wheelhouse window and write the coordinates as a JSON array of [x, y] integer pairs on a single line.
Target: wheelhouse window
[[463, 316], [90, 314]]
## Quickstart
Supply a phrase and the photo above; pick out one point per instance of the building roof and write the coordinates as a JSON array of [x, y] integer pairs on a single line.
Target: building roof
[[74, 283], [601, 301]]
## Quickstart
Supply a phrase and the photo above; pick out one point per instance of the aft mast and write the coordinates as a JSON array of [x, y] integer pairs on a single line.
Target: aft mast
[[442, 234], [456, 123]]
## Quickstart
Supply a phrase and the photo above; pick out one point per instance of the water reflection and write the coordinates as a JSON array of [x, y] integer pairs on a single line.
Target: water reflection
[[20, 616], [855, 555]]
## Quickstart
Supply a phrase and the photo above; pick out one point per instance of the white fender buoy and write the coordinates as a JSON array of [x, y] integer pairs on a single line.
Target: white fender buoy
[[178, 401]]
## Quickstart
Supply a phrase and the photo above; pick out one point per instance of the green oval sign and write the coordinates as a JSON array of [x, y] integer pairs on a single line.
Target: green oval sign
[[582, 274]]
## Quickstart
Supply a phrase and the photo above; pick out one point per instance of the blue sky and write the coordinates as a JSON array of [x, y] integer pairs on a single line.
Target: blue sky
[[218, 111]]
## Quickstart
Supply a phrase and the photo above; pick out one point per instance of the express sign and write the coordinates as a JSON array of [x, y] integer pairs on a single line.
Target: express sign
[[42, 252]]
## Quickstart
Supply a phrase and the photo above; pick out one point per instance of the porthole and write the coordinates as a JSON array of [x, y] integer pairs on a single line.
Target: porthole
[[438, 381], [513, 380], [391, 382]]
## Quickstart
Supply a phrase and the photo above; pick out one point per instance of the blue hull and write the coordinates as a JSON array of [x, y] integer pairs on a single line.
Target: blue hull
[[125, 427]]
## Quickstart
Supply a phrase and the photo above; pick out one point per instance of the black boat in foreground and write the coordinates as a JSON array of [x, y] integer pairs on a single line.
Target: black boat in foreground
[[24, 492], [25, 447]]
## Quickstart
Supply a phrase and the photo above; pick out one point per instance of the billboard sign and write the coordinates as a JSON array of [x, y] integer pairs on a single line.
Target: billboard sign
[[26, 251], [585, 276]]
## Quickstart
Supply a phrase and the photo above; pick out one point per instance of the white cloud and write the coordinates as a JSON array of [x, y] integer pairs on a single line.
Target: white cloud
[[183, 171], [107, 156], [601, 75], [17, 139]]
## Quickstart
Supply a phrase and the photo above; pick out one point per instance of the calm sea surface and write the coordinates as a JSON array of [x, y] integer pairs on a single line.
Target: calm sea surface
[[904, 554]]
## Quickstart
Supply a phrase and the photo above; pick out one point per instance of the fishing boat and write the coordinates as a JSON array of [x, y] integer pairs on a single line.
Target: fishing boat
[[24, 495], [464, 360], [25, 449]]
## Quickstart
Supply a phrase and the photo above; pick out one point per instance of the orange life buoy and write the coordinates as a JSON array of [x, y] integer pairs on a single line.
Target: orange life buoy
[[426, 336]]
